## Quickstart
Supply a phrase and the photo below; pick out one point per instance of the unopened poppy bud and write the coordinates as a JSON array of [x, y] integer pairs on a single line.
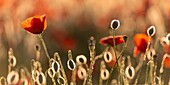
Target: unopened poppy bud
[[151, 31], [115, 24], [125, 39], [130, 72], [12, 78], [37, 47]]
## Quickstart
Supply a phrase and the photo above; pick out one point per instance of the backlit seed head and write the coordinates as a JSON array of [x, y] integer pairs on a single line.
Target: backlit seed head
[[61, 80], [12, 78], [130, 72], [115, 24], [81, 73], [55, 66], [37, 47], [41, 80], [151, 31], [81, 59], [71, 64], [104, 74], [107, 57], [92, 41]]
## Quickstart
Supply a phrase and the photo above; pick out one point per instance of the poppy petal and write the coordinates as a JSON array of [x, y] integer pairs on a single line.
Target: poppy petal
[[109, 40]]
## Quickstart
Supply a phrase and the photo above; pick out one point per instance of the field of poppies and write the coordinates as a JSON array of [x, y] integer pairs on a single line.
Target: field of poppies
[[84, 42]]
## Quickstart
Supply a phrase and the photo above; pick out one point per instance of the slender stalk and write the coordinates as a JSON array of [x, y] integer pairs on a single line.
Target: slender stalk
[[62, 68], [44, 46], [117, 59]]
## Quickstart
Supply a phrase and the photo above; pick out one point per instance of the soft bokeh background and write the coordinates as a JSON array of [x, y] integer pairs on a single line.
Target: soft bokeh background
[[72, 22]]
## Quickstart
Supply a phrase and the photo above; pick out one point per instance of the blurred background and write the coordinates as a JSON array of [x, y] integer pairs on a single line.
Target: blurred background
[[70, 23]]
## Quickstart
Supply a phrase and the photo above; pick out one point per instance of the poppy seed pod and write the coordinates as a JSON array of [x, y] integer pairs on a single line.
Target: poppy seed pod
[[71, 64], [104, 74], [55, 66], [41, 80], [115, 24], [130, 72], [12, 78], [107, 57], [151, 31], [81, 59], [125, 38]]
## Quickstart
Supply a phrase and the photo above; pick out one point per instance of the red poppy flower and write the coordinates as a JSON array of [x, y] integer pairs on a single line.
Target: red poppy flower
[[109, 40], [167, 62], [141, 42], [35, 25]]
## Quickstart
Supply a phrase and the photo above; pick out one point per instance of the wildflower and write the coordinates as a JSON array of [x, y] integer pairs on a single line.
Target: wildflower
[[167, 62], [119, 39], [35, 25], [141, 42]]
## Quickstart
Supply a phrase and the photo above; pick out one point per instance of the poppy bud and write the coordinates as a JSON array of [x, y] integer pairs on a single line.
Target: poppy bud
[[115, 24], [125, 38], [151, 31]]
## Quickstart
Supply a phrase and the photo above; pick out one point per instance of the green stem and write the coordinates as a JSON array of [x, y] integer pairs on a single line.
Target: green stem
[[44, 46]]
